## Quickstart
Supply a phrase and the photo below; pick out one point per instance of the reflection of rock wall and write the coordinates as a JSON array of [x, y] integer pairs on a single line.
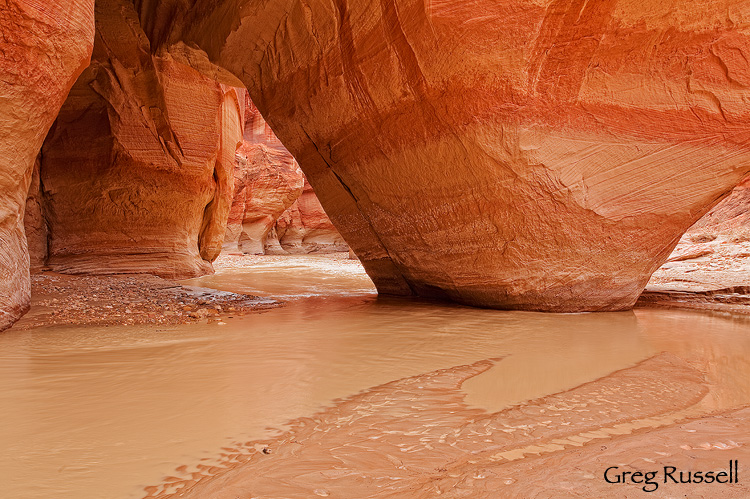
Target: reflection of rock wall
[[269, 185], [267, 180], [44, 47], [305, 228], [137, 171]]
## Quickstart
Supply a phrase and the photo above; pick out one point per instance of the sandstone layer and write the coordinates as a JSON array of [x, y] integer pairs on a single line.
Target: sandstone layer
[[137, 171], [525, 154], [305, 228], [267, 181], [274, 209], [43, 48], [709, 268]]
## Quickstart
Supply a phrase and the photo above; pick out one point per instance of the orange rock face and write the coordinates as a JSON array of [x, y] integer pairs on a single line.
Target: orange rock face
[[305, 228], [267, 180], [529, 154], [43, 48], [137, 171], [729, 218]]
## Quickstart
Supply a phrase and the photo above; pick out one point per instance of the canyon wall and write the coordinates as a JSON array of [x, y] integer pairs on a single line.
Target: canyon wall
[[136, 173], [714, 253], [267, 181], [272, 198], [305, 228], [528, 154], [730, 218], [43, 48]]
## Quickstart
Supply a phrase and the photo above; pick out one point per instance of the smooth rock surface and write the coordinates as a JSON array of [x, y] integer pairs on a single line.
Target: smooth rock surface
[[137, 171], [43, 48], [528, 154]]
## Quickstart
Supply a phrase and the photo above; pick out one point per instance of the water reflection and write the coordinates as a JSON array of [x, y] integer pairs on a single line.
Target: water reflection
[[95, 412]]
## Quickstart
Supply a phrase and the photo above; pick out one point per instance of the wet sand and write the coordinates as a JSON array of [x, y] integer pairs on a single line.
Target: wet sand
[[60, 299], [416, 437], [332, 395]]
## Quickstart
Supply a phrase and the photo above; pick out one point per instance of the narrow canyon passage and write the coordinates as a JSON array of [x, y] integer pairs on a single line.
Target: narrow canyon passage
[[135, 411]]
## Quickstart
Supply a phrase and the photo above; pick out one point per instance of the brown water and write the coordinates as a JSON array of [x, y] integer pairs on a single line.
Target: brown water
[[91, 412]]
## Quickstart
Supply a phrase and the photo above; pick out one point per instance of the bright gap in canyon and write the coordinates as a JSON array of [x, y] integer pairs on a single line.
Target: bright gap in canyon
[[374, 249]]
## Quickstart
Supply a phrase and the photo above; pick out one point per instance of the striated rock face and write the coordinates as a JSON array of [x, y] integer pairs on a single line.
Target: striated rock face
[[43, 48], [137, 171], [267, 180], [530, 154], [711, 261], [269, 201], [730, 218], [305, 228]]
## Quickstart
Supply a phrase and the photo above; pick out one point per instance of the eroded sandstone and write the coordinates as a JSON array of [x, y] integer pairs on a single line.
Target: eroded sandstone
[[526, 154], [267, 180], [43, 48], [274, 209], [709, 267], [153, 142], [305, 228]]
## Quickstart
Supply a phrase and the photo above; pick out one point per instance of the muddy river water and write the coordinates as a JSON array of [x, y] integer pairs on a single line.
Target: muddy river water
[[103, 412]]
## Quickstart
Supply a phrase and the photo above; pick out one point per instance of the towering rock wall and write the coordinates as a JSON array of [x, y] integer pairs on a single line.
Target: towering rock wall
[[531, 154], [136, 173], [43, 48]]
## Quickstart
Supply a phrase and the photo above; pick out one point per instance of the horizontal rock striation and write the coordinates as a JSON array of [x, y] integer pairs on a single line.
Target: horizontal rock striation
[[136, 174], [44, 47], [542, 155]]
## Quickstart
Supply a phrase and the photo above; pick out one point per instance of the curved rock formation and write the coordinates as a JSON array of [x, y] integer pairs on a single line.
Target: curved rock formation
[[729, 218], [524, 154], [267, 180], [305, 228], [709, 267], [43, 48], [137, 171]]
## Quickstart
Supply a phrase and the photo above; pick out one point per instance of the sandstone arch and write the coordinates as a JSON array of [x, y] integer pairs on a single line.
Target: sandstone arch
[[528, 154]]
